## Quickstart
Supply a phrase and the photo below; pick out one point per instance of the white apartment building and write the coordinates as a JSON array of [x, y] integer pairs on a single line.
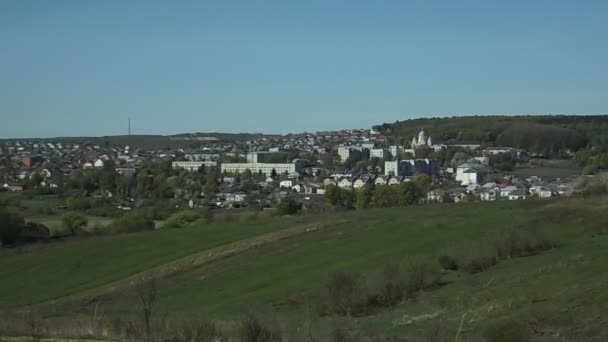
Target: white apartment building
[[377, 153], [265, 168], [192, 165]]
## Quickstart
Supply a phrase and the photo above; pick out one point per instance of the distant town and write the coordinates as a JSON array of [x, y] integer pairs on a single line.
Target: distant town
[[262, 171]]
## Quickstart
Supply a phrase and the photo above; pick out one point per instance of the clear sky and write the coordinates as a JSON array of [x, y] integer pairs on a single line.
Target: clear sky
[[71, 68]]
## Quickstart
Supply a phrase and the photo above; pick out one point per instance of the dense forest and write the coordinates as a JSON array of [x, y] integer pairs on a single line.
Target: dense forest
[[547, 134]]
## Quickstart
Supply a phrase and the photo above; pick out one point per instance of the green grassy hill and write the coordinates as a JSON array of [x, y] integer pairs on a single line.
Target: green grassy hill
[[282, 267]]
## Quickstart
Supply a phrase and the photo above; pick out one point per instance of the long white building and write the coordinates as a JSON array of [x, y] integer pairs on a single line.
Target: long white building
[[265, 168], [192, 165]]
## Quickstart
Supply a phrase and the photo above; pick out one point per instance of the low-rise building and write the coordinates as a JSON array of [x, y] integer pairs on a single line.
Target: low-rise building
[[193, 165], [265, 168]]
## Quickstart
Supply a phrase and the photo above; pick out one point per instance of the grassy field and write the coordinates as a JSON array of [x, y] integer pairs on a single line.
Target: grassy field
[[281, 264]]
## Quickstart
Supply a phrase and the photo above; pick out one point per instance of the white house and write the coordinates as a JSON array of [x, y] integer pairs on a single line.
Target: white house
[[470, 173], [490, 195], [517, 195], [98, 163], [288, 183], [363, 180], [345, 183]]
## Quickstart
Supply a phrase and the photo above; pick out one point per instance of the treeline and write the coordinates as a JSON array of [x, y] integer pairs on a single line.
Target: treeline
[[379, 196], [550, 135]]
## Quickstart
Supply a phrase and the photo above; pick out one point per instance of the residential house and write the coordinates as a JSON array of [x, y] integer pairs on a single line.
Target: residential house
[[437, 196], [394, 180], [288, 183], [363, 180], [470, 173], [518, 195], [381, 180], [345, 183], [490, 194]]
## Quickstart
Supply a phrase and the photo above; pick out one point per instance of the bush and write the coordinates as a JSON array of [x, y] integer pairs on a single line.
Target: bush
[[507, 330], [287, 206], [73, 223], [256, 328], [523, 241], [183, 218], [478, 259], [343, 291], [33, 231], [130, 223], [11, 225], [351, 294], [448, 262]]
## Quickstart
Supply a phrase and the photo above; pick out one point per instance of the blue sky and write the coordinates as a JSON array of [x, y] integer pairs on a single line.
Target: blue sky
[[71, 68]]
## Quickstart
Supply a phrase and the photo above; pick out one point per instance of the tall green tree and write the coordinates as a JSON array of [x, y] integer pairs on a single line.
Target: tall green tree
[[365, 195], [385, 196]]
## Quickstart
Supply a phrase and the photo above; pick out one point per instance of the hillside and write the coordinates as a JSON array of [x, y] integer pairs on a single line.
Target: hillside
[[542, 134], [282, 267]]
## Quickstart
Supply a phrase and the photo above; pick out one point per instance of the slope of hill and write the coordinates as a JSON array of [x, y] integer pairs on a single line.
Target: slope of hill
[[284, 265]]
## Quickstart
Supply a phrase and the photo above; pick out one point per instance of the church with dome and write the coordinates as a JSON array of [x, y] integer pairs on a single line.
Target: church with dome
[[422, 140]]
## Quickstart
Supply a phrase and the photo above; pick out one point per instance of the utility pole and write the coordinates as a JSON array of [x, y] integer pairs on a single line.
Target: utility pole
[[129, 126]]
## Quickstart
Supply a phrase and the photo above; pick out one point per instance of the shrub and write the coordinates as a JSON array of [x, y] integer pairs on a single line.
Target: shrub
[[478, 259], [343, 291], [33, 231], [130, 223], [11, 225], [256, 328], [507, 330], [448, 262], [183, 218], [73, 223], [287, 206], [523, 241]]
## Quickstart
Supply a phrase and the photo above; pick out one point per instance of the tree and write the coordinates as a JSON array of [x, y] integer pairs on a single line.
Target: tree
[[33, 231], [210, 184], [74, 222], [385, 196], [332, 194], [129, 223], [273, 174], [502, 161], [287, 206], [422, 183], [11, 225], [406, 193], [365, 196]]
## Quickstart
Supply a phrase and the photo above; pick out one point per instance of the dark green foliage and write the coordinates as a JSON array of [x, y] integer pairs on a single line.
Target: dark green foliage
[[287, 206], [523, 241], [507, 330], [520, 241], [73, 223], [385, 196], [11, 225], [184, 218], [33, 231], [549, 135], [407, 193], [365, 196], [448, 262], [338, 197], [13, 229], [343, 293], [130, 223], [354, 294], [502, 161], [255, 327], [592, 159]]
